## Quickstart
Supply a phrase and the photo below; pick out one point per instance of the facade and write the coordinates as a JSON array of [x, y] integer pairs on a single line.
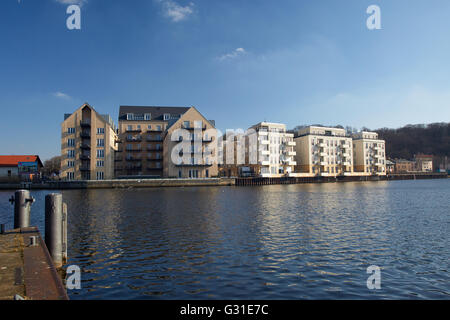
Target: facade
[[390, 166], [323, 151], [141, 133], [424, 163], [190, 147], [404, 166], [275, 149], [20, 167], [149, 135], [88, 144], [369, 153]]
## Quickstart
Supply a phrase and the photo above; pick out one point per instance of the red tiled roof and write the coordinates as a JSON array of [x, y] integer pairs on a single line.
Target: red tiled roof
[[12, 161]]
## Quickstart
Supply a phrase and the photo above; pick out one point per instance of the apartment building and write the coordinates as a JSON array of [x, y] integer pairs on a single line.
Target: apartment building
[[146, 142], [141, 132], [323, 151], [404, 166], [88, 144], [275, 149], [369, 153], [190, 147]]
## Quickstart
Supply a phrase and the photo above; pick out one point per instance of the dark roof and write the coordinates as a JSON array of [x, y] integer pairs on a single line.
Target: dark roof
[[156, 112]]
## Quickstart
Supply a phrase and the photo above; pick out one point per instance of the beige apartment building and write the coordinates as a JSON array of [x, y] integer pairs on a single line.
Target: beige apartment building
[[190, 147], [369, 153], [88, 145], [146, 142], [323, 151]]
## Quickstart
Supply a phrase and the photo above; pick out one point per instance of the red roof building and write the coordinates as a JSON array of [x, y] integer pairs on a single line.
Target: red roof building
[[25, 167]]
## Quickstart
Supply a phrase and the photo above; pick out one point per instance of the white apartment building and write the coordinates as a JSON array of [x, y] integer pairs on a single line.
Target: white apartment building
[[275, 149], [323, 151], [369, 153]]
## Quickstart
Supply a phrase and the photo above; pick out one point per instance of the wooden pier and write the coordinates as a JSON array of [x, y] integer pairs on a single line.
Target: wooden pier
[[26, 267]]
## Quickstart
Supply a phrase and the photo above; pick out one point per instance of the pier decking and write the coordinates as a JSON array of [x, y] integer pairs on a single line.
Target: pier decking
[[27, 270]]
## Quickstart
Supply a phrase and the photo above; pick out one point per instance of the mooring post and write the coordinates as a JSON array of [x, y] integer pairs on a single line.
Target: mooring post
[[64, 233], [22, 206], [53, 227]]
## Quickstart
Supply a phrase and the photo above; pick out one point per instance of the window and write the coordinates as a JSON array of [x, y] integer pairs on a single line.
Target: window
[[100, 142], [100, 130], [71, 154], [139, 126], [100, 163], [129, 116], [100, 175], [70, 130], [149, 127], [158, 128], [71, 142], [186, 124], [166, 116], [148, 117], [70, 175], [70, 164], [130, 127], [100, 153]]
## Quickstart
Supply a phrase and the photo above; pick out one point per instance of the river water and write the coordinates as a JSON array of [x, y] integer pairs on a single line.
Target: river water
[[306, 241]]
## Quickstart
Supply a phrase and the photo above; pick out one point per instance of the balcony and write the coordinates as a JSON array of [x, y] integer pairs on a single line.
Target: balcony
[[322, 145], [85, 157], [346, 155], [263, 132], [193, 128], [85, 146], [134, 139], [149, 139], [133, 150], [133, 130], [323, 154], [264, 163], [291, 153], [154, 159], [346, 163], [133, 159], [154, 149], [85, 168], [85, 123], [264, 141], [291, 143], [323, 163], [85, 135], [265, 152]]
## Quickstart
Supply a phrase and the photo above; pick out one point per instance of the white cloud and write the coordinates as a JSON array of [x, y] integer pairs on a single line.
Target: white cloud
[[234, 54], [77, 2], [61, 95], [176, 12]]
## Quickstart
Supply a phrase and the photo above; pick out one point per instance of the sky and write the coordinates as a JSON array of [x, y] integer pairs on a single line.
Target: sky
[[238, 62]]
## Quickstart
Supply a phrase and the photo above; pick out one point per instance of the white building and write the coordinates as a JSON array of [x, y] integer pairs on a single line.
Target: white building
[[369, 153], [275, 149]]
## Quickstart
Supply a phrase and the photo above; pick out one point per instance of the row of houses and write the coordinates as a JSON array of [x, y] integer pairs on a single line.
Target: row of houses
[[420, 163], [179, 142]]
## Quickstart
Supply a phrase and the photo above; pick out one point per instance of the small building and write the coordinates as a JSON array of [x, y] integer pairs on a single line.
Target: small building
[[390, 166], [20, 167], [404, 166], [424, 162]]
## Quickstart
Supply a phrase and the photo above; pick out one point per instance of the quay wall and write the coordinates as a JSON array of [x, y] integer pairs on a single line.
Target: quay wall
[[254, 181]]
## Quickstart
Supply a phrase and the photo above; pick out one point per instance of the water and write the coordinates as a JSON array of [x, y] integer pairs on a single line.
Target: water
[[309, 241]]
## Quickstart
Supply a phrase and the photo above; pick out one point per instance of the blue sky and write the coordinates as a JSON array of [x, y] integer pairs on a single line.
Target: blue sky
[[239, 62]]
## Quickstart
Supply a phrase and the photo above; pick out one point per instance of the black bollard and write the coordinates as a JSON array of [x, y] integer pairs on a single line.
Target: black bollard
[[22, 206], [53, 227]]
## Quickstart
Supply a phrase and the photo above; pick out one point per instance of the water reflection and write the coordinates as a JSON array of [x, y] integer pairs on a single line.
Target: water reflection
[[268, 242]]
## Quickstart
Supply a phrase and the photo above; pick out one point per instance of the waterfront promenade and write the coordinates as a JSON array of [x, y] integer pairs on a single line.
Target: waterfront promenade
[[27, 270]]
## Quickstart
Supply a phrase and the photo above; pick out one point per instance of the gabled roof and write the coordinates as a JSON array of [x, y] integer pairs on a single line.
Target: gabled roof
[[157, 112], [12, 161]]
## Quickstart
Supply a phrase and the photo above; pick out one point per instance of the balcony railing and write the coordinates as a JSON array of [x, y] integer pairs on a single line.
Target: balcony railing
[[85, 135], [134, 139], [85, 123], [85, 146], [133, 130], [193, 128]]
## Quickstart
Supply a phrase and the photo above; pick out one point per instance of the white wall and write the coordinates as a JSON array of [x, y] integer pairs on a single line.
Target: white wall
[[4, 171]]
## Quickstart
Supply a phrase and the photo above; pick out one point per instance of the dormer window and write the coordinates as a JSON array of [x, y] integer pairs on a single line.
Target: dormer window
[[129, 116], [166, 116], [147, 116]]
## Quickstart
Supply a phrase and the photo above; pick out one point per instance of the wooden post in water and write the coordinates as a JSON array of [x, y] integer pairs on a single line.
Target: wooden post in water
[[53, 227]]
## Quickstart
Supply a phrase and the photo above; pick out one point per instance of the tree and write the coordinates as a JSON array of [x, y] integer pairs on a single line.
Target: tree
[[52, 166]]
